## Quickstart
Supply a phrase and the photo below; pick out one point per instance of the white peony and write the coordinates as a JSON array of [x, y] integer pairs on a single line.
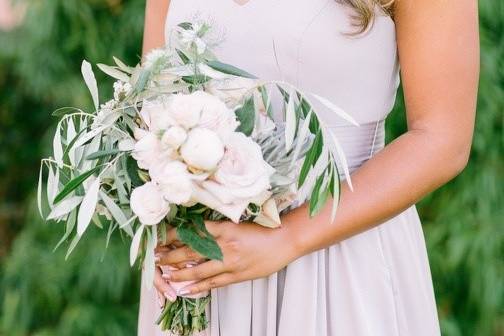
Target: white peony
[[186, 109], [148, 204], [242, 177], [148, 150], [174, 181], [174, 137], [156, 114], [202, 150]]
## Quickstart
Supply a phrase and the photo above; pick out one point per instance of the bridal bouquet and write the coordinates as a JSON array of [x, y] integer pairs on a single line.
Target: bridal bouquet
[[185, 139]]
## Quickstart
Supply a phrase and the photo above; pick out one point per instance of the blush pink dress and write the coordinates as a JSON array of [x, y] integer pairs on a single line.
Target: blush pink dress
[[377, 283]]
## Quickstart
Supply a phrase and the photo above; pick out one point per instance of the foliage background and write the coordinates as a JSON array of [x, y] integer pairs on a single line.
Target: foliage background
[[41, 294]]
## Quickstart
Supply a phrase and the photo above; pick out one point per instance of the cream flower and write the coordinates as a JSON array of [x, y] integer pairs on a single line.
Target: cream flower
[[202, 150], [147, 149], [242, 177], [174, 181], [174, 137], [148, 204], [216, 116], [156, 115], [186, 109]]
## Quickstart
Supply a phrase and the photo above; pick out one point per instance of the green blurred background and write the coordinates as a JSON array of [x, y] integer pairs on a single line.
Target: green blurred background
[[41, 294]]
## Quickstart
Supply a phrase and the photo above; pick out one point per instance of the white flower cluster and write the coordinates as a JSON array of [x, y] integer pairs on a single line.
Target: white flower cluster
[[156, 57], [194, 155], [121, 90]]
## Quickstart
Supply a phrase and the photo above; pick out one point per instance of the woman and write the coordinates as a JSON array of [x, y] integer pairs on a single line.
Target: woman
[[367, 273]]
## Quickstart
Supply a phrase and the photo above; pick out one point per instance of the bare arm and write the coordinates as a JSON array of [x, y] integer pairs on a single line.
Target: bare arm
[[439, 54], [155, 17]]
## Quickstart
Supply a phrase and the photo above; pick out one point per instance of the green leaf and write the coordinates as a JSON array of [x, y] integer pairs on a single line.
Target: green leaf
[[62, 111], [113, 72], [318, 145], [229, 69], [114, 209], [186, 25], [64, 207], [183, 56], [246, 116], [316, 194], [310, 158], [336, 109], [73, 184], [89, 78], [39, 190], [70, 224], [320, 197], [122, 65], [132, 170], [57, 146], [88, 207], [196, 79], [290, 123], [66, 156], [72, 246], [142, 81], [135, 244], [206, 246], [102, 153]]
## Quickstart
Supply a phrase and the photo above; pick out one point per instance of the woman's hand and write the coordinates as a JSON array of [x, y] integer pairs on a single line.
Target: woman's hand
[[250, 251]]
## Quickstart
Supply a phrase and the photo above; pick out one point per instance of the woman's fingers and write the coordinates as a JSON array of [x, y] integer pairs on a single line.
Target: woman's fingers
[[177, 256], [217, 281], [163, 287], [196, 273]]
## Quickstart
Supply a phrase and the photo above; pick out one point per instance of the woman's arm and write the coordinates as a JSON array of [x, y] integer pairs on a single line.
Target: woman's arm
[[439, 55], [155, 17]]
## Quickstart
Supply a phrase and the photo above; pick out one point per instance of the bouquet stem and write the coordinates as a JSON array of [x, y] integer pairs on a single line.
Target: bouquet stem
[[185, 316]]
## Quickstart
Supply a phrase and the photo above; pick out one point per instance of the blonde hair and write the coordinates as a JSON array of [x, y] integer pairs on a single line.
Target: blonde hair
[[365, 11]]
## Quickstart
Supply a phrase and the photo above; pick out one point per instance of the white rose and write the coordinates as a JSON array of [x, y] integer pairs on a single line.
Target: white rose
[[147, 150], [203, 149], [174, 137], [174, 181], [242, 177], [148, 204], [185, 109], [156, 114]]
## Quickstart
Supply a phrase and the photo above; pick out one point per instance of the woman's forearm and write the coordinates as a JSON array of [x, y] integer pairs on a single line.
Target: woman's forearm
[[155, 17], [440, 88], [390, 182]]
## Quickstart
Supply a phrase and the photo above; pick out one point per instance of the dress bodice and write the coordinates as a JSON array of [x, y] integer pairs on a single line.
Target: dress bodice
[[304, 42], [308, 44]]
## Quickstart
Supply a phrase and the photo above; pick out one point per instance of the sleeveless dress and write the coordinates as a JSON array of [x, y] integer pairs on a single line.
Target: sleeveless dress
[[377, 283]]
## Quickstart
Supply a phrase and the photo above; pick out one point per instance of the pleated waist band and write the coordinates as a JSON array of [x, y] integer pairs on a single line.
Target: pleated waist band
[[359, 143]]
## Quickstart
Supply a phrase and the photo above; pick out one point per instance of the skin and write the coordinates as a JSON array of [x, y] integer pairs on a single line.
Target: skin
[[438, 45]]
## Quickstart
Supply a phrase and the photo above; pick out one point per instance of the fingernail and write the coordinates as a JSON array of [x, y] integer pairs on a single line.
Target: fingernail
[[170, 297], [166, 276], [184, 291]]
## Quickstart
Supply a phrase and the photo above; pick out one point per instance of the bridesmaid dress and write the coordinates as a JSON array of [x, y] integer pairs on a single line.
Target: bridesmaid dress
[[377, 283]]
